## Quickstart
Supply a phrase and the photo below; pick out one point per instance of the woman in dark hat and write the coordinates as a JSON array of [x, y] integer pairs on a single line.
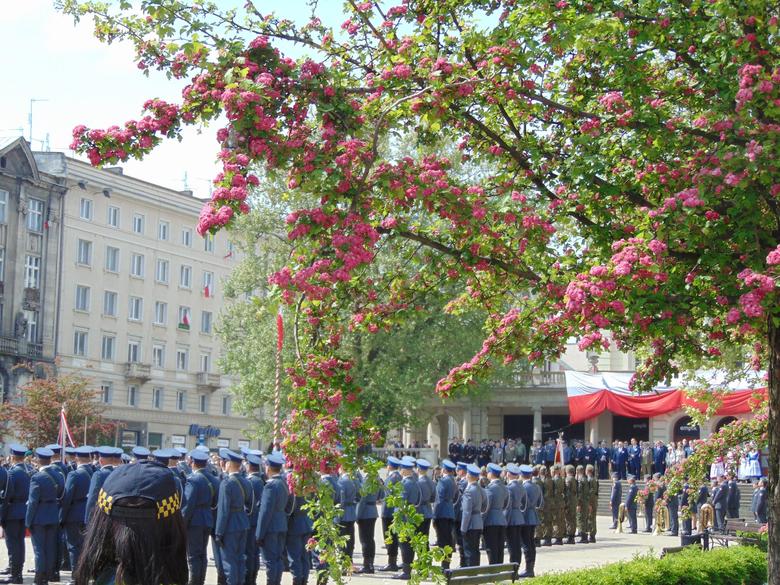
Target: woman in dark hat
[[136, 535]]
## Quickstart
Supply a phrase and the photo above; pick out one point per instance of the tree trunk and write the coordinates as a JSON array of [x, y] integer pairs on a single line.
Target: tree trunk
[[774, 452]]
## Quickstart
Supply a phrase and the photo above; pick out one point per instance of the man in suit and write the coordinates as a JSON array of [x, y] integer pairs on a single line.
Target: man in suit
[[534, 503], [759, 503], [272, 522], [494, 520], [447, 495], [630, 503], [687, 500], [109, 458], [515, 513], [720, 496], [200, 500], [471, 516], [348, 497], [234, 503], [620, 460], [659, 457], [14, 509], [603, 457], [411, 495], [615, 498], [74, 503], [42, 519], [634, 458], [732, 502], [256, 482], [427, 496], [393, 476]]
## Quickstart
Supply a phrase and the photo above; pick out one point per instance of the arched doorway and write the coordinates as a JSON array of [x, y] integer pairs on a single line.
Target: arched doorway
[[685, 428], [727, 420]]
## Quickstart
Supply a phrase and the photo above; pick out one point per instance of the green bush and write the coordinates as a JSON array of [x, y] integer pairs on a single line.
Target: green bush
[[735, 565], [757, 539]]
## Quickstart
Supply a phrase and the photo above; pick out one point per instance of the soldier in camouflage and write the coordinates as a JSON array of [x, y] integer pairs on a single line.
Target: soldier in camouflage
[[593, 493], [583, 503], [559, 502], [570, 494]]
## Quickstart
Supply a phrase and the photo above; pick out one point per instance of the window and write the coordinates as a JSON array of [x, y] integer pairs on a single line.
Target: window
[[136, 309], [208, 284], [185, 276], [112, 259], [32, 272], [2, 264], [184, 318], [161, 272], [205, 362], [205, 322], [158, 355], [133, 351], [182, 359], [108, 348], [138, 223], [203, 404], [32, 325], [85, 209], [181, 400], [231, 249], [113, 216], [85, 253], [137, 265], [106, 392], [226, 405], [155, 441], [132, 395], [110, 299], [3, 206], [157, 398], [186, 237], [208, 242], [163, 230], [160, 313], [82, 297], [35, 215], [79, 342]]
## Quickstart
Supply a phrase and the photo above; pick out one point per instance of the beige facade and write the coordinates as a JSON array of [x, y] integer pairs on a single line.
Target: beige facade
[[140, 295]]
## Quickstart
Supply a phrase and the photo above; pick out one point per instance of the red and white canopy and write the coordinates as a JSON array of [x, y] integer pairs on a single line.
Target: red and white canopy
[[591, 394]]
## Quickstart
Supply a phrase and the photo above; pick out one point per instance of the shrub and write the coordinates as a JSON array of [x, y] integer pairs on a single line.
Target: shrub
[[736, 565]]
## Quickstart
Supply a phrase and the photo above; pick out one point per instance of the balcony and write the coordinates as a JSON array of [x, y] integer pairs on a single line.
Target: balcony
[[543, 379], [20, 347], [209, 382], [139, 373]]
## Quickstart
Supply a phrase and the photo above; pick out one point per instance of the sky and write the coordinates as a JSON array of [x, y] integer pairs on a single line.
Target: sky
[[49, 58]]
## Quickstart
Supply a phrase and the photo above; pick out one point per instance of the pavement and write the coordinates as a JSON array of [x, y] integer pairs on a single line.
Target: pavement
[[608, 548]]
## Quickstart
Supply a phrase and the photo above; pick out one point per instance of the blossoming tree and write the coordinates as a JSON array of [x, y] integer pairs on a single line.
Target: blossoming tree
[[634, 184]]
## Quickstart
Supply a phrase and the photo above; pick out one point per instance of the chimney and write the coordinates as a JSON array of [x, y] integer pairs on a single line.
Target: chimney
[[115, 170]]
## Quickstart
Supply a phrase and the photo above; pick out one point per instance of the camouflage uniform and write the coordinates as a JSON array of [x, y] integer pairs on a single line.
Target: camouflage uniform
[[583, 502], [593, 487], [559, 518], [570, 494], [549, 506], [538, 480]]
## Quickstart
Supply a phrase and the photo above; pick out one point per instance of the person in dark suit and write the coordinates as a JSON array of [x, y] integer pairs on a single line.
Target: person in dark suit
[[732, 502], [74, 503], [673, 505], [620, 460], [234, 503], [603, 457], [534, 503], [494, 519], [444, 508], [13, 512], [615, 498], [471, 517], [720, 495], [200, 500], [686, 500], [272, 522], [659, 457], [255, 479], [759, 503], [634, 458], [42, 519], [370, 491], [515, 513], [109, 458], [630, 503], [393, 476], [649, 506]]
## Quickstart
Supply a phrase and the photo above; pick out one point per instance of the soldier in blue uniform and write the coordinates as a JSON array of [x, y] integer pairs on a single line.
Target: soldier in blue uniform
[[198, 512], [253, 476], [233, 505], [444, 508], [109, 458], [74, 503], [393, 476], [348, 498], [427, 496], [411, 495], [46, 487], [272, 522], [515, 513], [494, 520], [471, 516], [720, 494], [630, 503], [461, 482], [140, 453], [299, 529], [615, 498], [534, 503], [370, 493], [14, 509]]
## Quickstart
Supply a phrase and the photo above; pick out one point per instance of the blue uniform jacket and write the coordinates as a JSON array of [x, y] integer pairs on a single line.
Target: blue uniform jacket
[[427, 496], [273, 517], [471, 508], [411, 491], [95, 483], [366, 508], [616, 495], [298, 522], [74, 501], [257, 484], [348, 497], [17, 492], [393, 477], [446, 496], [199, 501], [235, 498], [518, 503], [630, 501], [46, 488], [497, 503], [534, 502]]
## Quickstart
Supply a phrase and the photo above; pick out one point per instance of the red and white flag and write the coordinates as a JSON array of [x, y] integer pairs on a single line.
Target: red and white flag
[[64, 436], [558, 451], [206, 291]]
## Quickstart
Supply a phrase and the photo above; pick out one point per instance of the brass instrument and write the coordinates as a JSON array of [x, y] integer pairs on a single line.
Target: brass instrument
[[621, 518], [706, 517], [662, 518]]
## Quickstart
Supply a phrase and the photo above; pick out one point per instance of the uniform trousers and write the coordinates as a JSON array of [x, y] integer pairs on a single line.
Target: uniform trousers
[[407, 556], [615, 509], [298, 556], [632, 521], [215, 550], [733, 512], [252, 557], [720, 518], [74, 534], [687, 526], [528, 543], [445, 532], [14, 542], [348, 529], [233, 553], [459, 542], [514, 540], [471, 547], [425, 528], [367, 539], [273, 550], [495, 537], [44, 540], [197, 559], [392, 546]]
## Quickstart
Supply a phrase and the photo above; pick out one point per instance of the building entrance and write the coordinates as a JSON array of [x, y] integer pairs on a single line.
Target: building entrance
[[625, 428], [552, 424], [519, 426]]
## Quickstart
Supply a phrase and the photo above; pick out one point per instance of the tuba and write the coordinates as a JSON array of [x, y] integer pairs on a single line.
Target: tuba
[[662, 518], [706, 517], [621, 518]]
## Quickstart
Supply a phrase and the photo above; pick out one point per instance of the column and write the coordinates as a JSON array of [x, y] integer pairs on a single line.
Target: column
[[592, 430], [467, 424], [537, 410]]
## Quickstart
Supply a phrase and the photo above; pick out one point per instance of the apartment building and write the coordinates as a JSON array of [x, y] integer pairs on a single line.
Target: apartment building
[[139, 298]]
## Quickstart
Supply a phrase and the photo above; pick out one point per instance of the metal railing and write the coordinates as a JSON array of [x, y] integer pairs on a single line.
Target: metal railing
[[20, 347]]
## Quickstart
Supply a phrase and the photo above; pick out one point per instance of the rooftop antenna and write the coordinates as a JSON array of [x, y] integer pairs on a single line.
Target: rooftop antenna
[[186, 184], [30, 117]]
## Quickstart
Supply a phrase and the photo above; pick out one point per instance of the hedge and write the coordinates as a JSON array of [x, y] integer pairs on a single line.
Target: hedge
[[735, 565]]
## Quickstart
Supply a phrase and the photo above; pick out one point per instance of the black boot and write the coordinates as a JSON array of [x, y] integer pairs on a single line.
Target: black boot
[[529, 571], [40, 579], [547, 542], [571, 540], [592, 538], [367, 568], [405, 574], [392, 564], [558, 541], [583, 538]]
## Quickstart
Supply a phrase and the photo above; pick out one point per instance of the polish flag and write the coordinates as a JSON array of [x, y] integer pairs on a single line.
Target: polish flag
[[185, 320], [206, 291], [558, 451]]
